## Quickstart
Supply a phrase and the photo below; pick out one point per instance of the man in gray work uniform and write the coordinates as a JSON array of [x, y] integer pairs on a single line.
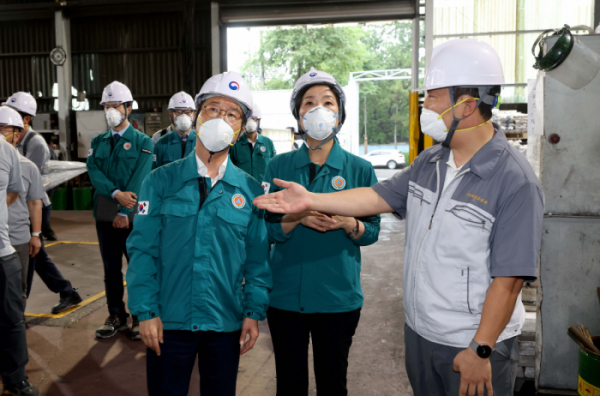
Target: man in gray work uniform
[[13, 342], [474, 212], [33, 146]]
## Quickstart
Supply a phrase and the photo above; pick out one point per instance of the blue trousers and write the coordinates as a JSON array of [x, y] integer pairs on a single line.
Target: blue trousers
[[218, 361]]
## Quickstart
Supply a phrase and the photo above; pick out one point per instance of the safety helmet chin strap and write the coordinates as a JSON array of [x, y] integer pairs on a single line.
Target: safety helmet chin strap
[[328, 138], [484, 97]]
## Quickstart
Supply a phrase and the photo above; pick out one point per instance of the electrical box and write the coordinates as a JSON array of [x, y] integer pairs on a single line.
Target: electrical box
[[89, 125]]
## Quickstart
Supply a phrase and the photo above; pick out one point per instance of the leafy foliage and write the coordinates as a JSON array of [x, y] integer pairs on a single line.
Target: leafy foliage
[[287, 53]]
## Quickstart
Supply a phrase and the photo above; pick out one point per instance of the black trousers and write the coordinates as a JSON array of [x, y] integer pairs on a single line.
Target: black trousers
[[46, 211], [331, 335], [13, 344], [218, 362], [112, 248], [47, 271]]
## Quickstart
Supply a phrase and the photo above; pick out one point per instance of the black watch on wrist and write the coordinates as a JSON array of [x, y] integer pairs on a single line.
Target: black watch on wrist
[[354, 232], [482, 350]]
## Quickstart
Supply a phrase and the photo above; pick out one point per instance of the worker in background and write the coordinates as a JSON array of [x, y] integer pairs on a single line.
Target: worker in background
[[253, 151], [118, 161], [174, 146], [157, 135], [316, 256], [199, 275], [34, 147], [474, 212], [13, 342]]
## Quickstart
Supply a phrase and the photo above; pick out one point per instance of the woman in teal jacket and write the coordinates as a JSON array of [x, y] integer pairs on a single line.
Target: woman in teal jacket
[[316, 258]]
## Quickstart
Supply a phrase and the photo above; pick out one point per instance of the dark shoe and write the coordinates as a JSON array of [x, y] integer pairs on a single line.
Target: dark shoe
[[23, 388], [50, 235], [67, 302], [135, 329], [113, 324]]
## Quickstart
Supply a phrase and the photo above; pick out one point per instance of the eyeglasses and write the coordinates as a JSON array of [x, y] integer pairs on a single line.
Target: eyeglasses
[[230, 116], [189, 113]]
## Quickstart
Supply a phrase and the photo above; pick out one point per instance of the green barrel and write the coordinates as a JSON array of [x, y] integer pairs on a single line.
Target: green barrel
[[589, 371], [82, 198], [59, 199]]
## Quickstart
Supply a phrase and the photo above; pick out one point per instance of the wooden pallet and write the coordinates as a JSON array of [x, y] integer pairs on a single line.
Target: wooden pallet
[[516, 135]]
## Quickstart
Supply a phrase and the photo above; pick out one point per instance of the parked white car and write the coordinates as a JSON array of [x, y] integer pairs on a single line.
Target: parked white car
[[391, 159]]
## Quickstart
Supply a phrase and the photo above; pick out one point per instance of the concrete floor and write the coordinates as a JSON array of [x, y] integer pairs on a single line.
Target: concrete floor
[[66, 359]]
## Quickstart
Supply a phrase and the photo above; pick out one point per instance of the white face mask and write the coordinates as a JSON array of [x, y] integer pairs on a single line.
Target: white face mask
[[216, 135], [114, 117], [251, 126], [319, 122], [433, 125], [183, 123]]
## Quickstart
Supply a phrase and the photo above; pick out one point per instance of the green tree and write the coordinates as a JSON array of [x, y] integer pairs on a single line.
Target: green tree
[[287, 53]]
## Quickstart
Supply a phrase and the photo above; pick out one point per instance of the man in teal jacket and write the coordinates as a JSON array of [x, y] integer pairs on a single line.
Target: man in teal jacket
[[199, 276], [174, 146], [118, 161], [253, 151]]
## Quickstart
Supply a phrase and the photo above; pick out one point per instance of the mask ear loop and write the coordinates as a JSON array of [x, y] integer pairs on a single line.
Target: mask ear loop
[[455, 120]]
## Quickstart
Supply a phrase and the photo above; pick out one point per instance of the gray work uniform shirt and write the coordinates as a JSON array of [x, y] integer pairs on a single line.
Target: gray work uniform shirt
[[38, 153], [486, 223], [18, 213], [10, 181]]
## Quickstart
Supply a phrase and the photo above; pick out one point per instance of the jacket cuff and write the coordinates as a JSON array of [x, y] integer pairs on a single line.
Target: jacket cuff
[[367, 236], [254, 315], [148, 315], [277, 233]]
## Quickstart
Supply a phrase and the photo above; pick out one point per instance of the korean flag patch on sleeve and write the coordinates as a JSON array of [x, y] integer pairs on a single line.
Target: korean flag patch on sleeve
[[90, 152], [266, 186], [143, 207]]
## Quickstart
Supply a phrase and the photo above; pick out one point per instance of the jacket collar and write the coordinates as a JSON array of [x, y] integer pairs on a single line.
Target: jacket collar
[[485, 160], [175, 137], [335, 159], [244, 139], [127, 135], [190, 171]]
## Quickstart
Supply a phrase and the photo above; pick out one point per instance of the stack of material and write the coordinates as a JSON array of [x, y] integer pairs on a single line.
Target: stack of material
[[513, 122]]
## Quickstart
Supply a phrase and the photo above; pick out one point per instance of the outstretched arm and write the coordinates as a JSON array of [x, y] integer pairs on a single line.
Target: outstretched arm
[[358, 202]]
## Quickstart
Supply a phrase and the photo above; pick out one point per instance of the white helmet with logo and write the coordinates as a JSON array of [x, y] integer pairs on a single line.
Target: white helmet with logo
[[463, 62], [230, 85], [10, 117], [316, 77], [116, 92], [23, 102], [256, 112], [181, 101]]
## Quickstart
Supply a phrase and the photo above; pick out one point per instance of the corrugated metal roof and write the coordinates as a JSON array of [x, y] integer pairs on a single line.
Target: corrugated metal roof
[[25, 60]]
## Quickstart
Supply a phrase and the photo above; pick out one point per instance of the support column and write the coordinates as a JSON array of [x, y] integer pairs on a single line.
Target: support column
[[215, 38], [414, 74], [428, 31], [62, 28]]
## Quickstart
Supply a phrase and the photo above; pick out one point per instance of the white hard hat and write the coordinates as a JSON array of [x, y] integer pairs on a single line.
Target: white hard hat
[[316, 77], [463, 62], [116, 92], [256, 112], [23, 102], [230, 85], [181, 101], [10, 117]]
